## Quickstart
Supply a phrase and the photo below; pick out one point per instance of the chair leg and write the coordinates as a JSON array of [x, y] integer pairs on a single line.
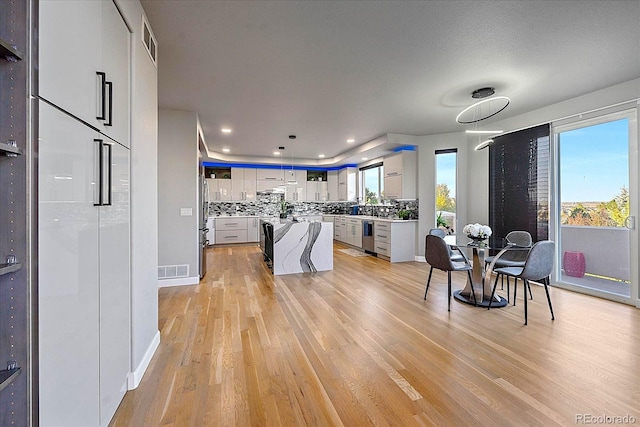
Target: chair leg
[[502, 281], [508, 290], [529, 287], [428, 282], [526, 283], [515, 290], [493, 291], [449, 291], [546, 289]]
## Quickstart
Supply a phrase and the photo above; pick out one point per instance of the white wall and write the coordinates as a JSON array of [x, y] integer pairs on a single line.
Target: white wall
[[177, 188], [144, 197]]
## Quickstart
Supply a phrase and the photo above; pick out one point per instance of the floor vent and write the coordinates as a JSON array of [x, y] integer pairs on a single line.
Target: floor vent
[[173, 271]]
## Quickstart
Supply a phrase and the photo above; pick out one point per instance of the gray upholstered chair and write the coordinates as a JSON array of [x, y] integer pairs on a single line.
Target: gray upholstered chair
[[512, 259], [456, 257], [537, 267], [437, 255]]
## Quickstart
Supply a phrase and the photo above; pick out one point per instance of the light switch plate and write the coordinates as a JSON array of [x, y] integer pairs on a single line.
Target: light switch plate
[[186, 212]]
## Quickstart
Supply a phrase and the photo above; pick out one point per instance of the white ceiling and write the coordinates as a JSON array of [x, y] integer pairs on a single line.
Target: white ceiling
[[328, 71]]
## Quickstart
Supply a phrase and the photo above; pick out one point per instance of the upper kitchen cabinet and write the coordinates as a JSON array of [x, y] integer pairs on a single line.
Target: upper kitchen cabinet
[[347, 184], [400, 175], [84, 63], [275, 175], [295, 185], [243, 184], [332, 185], [219, 189]]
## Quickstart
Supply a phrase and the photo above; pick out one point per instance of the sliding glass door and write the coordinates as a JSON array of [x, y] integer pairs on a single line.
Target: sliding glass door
[[595, 219]]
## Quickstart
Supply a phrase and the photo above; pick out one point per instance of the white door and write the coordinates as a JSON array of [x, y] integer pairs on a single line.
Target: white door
[[68, 299], [70, 54], [115, 65], [114, 285], [596, 181]]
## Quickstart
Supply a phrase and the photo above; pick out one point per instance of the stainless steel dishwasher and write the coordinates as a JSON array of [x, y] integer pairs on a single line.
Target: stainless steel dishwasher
[[368, 243]]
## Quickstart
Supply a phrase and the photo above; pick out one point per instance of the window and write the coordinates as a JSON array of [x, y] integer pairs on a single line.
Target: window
[[446, 189], [372, 184]]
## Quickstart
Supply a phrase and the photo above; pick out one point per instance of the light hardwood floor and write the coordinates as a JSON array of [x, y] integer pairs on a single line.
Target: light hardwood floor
[[358, 346]]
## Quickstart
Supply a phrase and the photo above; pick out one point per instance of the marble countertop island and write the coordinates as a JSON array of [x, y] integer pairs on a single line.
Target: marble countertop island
[[298, 247]]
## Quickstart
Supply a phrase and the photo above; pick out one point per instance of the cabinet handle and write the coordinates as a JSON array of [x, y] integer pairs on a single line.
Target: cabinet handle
[[102, 89], [392, 174], [104, 173], [109, 86], [230, 237]]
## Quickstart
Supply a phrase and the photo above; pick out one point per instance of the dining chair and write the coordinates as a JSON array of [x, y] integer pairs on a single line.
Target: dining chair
[[512, 259], [537, 267], [437, 255]]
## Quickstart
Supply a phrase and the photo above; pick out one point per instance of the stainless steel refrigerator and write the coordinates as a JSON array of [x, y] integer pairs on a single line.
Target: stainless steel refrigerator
[[202, 225]]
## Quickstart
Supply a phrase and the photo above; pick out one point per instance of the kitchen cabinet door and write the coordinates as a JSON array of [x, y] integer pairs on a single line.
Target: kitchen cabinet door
[[70, 53], [78, 40], [253, 234], [68, 266], [243, 184], [114, 287], [83, 254], [115, 64], [332, 185]]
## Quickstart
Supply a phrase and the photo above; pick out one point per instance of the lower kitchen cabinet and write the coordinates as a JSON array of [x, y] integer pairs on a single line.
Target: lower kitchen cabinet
[[237, 230], [83, 272], [395, 240]]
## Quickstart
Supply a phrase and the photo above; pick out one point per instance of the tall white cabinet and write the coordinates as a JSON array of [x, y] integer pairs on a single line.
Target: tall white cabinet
[[83, 243]]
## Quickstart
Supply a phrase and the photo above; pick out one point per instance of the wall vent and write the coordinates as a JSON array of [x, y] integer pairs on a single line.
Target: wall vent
[[149, 41], [173, 271]]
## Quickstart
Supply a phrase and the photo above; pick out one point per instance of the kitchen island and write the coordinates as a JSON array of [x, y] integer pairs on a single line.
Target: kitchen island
[[297, 247]]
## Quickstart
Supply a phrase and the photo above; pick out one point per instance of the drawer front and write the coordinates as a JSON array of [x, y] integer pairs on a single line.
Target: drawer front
[[382, 249], [353, 221], [231, 224], [231, 236], [381, 236], [382, 226]]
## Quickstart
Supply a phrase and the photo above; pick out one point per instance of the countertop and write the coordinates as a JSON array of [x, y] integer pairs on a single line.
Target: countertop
[[361, 217]]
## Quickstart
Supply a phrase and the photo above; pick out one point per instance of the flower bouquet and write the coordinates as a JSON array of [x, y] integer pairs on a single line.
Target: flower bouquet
[[477, 232]]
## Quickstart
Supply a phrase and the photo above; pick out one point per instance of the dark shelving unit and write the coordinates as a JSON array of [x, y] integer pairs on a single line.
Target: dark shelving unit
[[17, 232]]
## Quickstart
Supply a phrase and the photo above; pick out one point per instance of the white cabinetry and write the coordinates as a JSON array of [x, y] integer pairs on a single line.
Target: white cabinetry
[[83, 270], [340, 228], [296, 185], [237, 230], [353, 232], [395, 240], [219, 189], [400, 176], [243, 184], [269, 179], [84, 63], [332, 185], [347, 184], [317, 191]]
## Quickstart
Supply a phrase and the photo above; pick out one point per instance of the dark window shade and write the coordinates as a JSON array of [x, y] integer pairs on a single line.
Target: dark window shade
[[519, 183]]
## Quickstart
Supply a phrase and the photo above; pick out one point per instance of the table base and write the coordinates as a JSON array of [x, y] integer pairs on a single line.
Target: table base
[[498, 301]]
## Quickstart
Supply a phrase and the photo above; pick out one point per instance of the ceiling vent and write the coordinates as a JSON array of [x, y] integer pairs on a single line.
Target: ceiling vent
[[149, 41]]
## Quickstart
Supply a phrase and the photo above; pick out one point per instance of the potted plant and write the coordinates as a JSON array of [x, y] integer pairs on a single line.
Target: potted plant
[[404, 214]]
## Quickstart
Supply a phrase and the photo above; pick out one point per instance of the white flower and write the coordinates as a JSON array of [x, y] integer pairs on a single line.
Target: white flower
[[477, 230]]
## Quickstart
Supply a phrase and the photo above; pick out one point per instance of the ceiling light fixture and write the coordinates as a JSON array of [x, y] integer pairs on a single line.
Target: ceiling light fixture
[[484, 131], [276, 153], [483, 144], [321, 156], [488, 106], [225, 130], [365, 158], [225, 150], [351, 141]]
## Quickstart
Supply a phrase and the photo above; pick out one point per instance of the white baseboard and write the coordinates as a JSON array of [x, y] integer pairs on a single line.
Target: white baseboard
[[136, 376], [181, 281], [419, 258]]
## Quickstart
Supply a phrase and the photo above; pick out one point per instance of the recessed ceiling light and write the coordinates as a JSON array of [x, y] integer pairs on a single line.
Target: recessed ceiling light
[[225, 150], [321, 156], [225, 130], [276, 153], [365, 158], [351, 140]]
